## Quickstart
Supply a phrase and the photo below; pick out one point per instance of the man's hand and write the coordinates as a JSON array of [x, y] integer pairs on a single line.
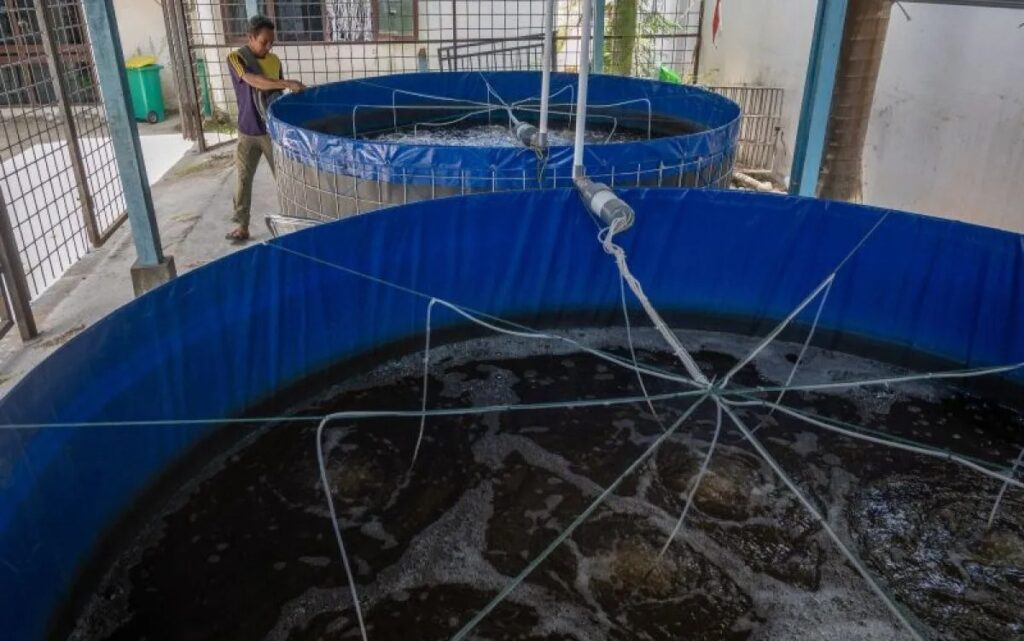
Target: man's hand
[[266, 84]]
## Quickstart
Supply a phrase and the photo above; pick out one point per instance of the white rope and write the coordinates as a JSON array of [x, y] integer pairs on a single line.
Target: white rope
[[632, 352], [417, 94], [899, 445], [477, 316], [886, 381], [444, 123], [677, 348], [696, 484], [567, 532], [611, 358], [366, 105], [426, 379], [825, 283], [890, 604], [491, 91], [807, 343], [1002, 490], [722, 405], [778, 329], [571, 89], [337, 528], [626, 276]]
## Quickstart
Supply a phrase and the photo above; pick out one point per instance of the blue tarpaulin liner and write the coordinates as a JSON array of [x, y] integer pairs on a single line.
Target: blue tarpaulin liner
[[227, 336], [475, 168]]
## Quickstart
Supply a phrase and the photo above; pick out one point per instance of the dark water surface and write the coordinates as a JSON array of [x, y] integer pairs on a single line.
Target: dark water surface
[[245, 551]]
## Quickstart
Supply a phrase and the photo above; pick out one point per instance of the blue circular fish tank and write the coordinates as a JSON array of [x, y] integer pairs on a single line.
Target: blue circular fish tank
[[348, 147], [110, 419]]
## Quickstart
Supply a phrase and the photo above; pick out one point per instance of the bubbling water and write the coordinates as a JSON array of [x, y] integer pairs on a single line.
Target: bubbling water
[[499, 136], [245, 551]]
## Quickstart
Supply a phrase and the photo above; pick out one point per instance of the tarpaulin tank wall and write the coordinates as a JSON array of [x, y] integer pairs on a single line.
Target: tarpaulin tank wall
[[327, 168], [209, 345]]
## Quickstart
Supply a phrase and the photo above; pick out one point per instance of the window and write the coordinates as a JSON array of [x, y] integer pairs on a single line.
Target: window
[[296, 20], [24, 70], [234, 16], [396, 19], [299, 20], [326, 20]]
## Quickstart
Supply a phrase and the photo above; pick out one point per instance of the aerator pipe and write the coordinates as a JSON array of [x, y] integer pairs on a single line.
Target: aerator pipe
[[584, 77], [529, 136], [545, 82], [601, 201]]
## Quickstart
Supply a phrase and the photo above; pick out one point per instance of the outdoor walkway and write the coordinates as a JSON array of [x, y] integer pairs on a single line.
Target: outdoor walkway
[[193, 207]]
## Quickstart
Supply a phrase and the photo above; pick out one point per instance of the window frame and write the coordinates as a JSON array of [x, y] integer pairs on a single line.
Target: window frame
[[378, 37], [28, 60], [271, 10]]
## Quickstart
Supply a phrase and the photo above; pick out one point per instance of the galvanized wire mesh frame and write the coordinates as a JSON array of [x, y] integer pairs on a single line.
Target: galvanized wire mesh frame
[[60, 186], [332, 190], [322, 41]]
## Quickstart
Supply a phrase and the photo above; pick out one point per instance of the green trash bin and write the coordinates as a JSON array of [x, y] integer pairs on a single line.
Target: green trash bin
[[204, 86], [144, 85]]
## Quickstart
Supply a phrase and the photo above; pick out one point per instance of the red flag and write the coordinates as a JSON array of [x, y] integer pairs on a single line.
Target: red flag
[[716, 21]]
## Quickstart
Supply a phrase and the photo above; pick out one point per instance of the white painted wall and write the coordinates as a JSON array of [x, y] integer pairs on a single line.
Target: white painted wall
[[141, 26], [762, 44], [947, 130]]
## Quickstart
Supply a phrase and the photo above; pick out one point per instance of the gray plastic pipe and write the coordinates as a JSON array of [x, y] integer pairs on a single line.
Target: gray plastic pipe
[[545, 83], [603, 203], [584, 77]]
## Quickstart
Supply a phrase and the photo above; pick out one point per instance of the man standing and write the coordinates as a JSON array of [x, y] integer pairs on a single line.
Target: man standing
[[257, 77]]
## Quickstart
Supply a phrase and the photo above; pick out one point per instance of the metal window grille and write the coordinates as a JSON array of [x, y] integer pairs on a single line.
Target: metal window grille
[[521, 54], [60, 186], [321, 41]]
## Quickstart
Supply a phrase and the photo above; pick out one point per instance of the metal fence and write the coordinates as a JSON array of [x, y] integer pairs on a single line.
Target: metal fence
[[331, 190], [760, 129], [60, 188], [508, 55], [327, 40]]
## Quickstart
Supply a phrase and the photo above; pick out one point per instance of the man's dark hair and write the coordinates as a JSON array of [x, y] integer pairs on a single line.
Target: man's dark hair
[[259, 23]]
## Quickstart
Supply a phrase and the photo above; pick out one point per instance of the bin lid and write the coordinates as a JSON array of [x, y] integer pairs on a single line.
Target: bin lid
[[137, 62]]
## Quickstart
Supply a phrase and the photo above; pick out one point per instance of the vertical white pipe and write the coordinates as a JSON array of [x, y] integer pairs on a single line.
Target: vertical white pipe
[[584, 71], [545, 83]]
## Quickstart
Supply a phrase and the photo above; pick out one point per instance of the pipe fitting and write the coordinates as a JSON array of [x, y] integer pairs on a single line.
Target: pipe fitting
[[530, 136], [601, 201], [525, 133]]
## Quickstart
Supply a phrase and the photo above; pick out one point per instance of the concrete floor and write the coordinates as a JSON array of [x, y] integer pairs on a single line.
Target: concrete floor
[[21, 131], [193, 208]]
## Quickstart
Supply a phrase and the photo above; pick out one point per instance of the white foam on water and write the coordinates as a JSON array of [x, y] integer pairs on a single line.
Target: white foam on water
[[494, 136], [451, 550]]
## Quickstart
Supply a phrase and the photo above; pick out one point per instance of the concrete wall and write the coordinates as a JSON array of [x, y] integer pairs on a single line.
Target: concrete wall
[[141, 25], [947, 130]]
